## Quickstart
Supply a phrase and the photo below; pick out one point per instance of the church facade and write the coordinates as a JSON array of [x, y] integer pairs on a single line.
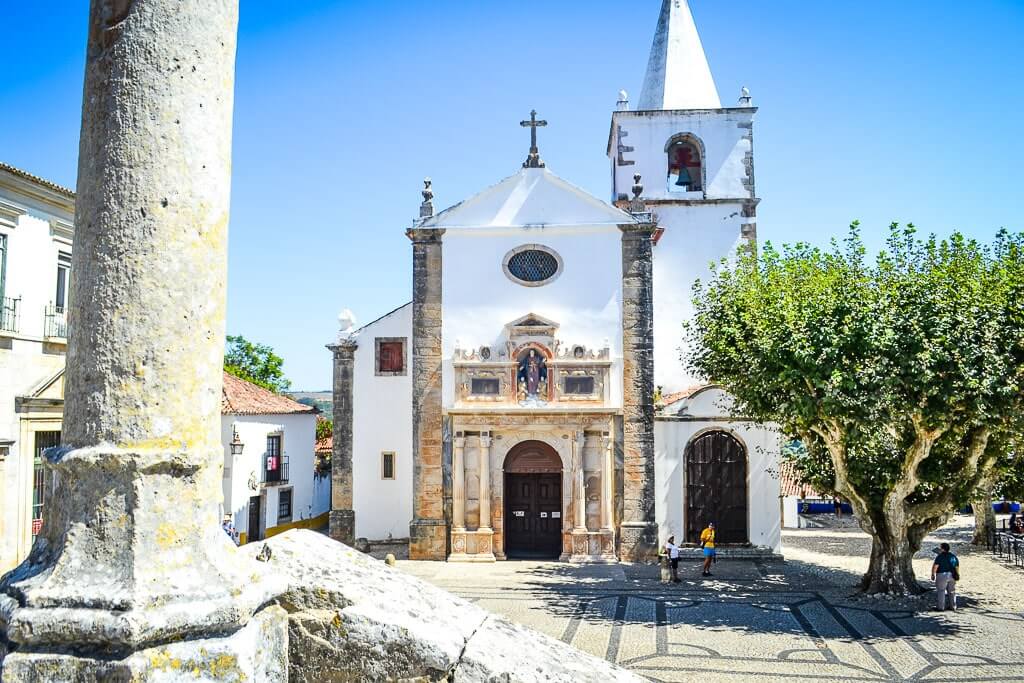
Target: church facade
[[531, 400]]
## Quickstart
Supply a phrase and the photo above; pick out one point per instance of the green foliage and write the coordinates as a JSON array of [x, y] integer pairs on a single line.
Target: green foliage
[[256, 363], [324, 428], [895, 374]]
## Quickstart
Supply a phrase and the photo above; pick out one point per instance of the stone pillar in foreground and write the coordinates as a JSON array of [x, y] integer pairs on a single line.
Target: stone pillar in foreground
[[131, 568], [428, 531], [638, 531], [343, 516]]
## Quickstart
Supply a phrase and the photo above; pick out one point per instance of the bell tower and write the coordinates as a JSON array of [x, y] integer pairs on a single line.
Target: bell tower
[[696, 159]]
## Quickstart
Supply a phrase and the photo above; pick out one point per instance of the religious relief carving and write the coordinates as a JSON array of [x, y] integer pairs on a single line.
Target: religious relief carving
[[458, 543]]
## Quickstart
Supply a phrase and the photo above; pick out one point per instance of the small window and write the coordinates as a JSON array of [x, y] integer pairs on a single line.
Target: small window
[[390, 356], [5, 451], [532, 265], [580, 386], [284, 506], [387, 465], [485, 386], [63, 280], [685, 165]]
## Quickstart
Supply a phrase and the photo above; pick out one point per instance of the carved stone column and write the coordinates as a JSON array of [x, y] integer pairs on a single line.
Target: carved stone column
[[639, 531], [607, 480], [579, 483], [485, 483], [428, 531], [343, 516], [131, 569], [459, 484]]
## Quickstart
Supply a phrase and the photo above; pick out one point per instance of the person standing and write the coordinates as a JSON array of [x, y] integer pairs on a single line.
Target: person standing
[[707, 543], [837, 507], [945, 574], [672, 550]]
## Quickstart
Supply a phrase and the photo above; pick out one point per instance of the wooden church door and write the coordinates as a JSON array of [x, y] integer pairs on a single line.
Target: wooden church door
[[716, 488]]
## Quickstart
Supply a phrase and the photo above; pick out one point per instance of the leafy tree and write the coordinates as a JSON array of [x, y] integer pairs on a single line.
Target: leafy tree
[[896, 375], [256, 363], [324, 428]]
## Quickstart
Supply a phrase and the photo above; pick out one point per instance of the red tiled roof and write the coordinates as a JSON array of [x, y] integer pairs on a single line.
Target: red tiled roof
[[245, 398], [36, 179], [789, 483], [669, 399], [325, 446]]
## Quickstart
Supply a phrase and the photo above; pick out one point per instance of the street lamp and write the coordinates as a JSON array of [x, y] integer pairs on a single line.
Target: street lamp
[[236, 443]]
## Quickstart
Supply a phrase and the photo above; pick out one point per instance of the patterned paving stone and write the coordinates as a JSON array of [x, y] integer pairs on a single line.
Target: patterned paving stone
[[751, 622]]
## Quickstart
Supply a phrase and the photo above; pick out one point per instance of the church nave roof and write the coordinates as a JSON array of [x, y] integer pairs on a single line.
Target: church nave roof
[[533, 197]]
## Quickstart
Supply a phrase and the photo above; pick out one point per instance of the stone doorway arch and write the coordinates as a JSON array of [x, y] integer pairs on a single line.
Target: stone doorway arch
[[533, 501]]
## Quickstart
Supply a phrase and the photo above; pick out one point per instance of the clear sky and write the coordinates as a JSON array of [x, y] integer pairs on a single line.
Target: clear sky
[[873, 110]]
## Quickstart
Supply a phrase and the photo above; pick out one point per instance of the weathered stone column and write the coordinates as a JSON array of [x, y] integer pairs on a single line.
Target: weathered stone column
[[607, 480], [131, 568], [579, 484], [459, 484], [343, 516], [639, 537], [428, 531], [485, 483]]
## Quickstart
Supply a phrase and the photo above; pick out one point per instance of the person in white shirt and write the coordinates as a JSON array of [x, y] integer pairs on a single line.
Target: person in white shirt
[[672, 550]]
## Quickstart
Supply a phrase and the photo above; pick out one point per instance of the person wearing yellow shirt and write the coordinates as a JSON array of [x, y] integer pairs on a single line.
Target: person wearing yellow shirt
[[707, 542]]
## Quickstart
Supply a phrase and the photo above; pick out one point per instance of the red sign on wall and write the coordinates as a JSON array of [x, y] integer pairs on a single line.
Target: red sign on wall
[[37, 525]]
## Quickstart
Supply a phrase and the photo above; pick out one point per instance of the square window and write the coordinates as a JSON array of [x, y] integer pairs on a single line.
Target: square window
[[579, 386], [485, 386], [390, 356], [4, 452], [284, 506], [387, 466]]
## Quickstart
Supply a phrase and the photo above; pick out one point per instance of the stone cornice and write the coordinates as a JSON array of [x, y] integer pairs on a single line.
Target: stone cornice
[[344, 347], [33, 189], [638, 228], [425, 235]]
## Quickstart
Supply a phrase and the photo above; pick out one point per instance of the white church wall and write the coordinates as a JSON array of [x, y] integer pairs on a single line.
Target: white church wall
[[479, 300], [723, 132], [382, 422], [694, 238], [298, 442], [708, 411]]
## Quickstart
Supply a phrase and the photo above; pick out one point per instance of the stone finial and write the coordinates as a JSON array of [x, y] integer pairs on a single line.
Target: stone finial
[[346, 324], [427, 207], [623, 103], [636, 205], [745, 99]]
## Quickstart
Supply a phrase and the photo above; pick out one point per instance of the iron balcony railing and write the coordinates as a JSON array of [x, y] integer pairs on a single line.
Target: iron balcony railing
[[9, 314], [55, 323], [275, 470]]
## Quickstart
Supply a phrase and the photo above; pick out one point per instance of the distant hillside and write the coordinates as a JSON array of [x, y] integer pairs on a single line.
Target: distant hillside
[[321, 400]]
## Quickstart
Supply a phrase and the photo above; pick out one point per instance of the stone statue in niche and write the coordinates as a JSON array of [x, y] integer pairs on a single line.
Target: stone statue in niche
[[532, 377]]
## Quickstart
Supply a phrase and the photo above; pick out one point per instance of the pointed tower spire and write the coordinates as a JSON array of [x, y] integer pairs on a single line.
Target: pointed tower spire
[[678, 75]]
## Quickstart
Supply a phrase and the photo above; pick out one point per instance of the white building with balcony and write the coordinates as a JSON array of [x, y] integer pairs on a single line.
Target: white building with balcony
[[36, 229], [270, 479]]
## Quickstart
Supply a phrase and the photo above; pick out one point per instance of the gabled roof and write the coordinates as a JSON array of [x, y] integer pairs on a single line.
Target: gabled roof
[[245, 398], [532, 197], [678, 75]]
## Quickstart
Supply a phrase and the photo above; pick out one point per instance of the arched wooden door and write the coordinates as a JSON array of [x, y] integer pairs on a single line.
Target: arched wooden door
[[533, 501], [716, 488]]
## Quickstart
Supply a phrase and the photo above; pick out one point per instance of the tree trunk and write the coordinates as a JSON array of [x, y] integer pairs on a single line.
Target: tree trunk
[[984, 518], [891, 569]]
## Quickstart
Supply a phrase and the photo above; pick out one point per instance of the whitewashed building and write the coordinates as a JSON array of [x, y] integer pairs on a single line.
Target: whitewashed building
[[36, 218], [270, 482], [510, 409]]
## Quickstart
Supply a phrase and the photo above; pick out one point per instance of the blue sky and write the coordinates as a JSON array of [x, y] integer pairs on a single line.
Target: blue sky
[[870, 110]]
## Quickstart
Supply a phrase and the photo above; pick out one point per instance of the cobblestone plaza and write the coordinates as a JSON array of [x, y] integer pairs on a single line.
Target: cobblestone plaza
[[757, 621]]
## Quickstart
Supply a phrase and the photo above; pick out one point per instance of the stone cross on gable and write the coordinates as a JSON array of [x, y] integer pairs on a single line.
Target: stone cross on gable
[[533, 160]]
